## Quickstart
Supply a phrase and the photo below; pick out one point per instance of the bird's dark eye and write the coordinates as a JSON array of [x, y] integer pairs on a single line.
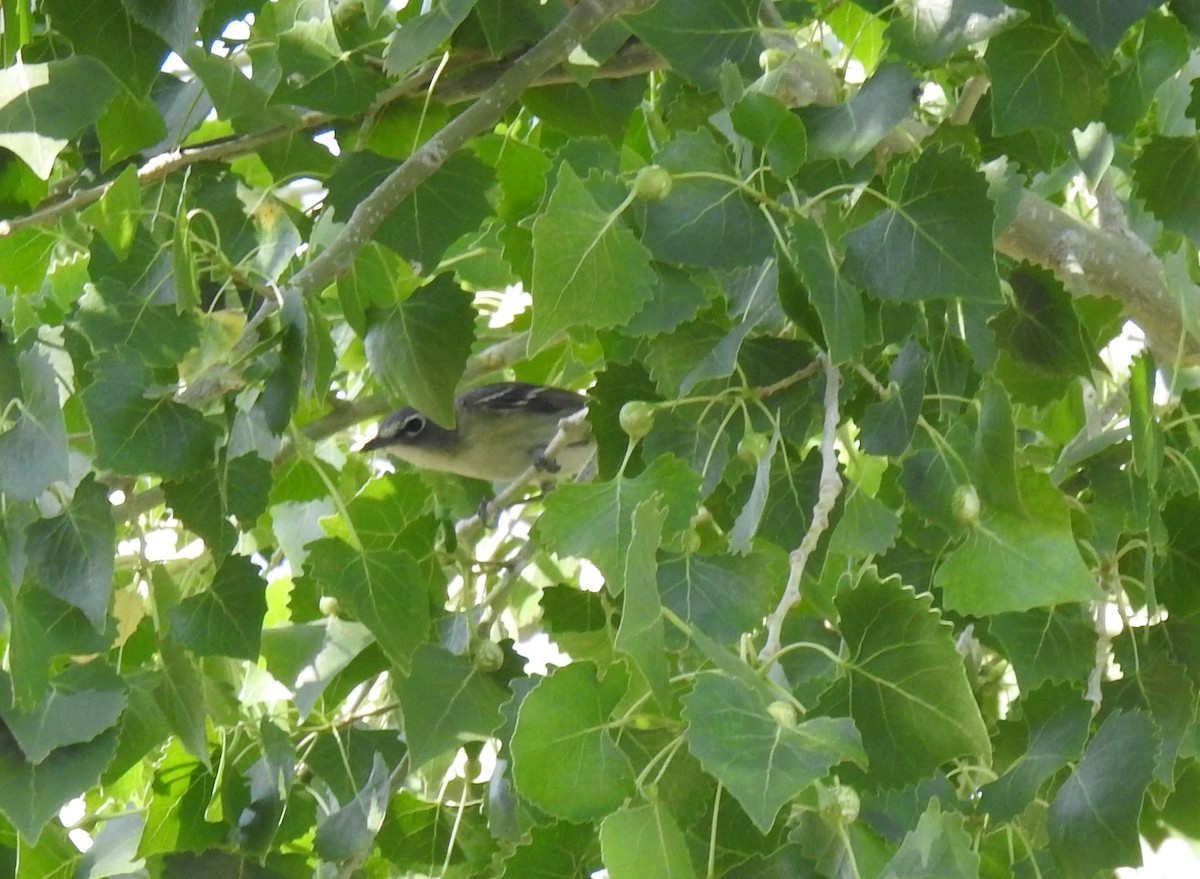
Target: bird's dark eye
[[412, 426]]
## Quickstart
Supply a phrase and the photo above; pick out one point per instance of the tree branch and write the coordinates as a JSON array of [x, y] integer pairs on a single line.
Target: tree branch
[[829, 487], [1093, 262], [468, 85]]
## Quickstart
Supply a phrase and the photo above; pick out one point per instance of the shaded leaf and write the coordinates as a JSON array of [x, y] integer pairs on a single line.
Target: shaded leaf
[[1103, 22], [762, 761], [696, 36], [33, 452], [418, 348], [850, 130], [888, 425], [723, 595], [1056, 644], [386, 590], [446, 701], [350, 831], [226, 619], [936, 239], [904, 685], [30, 795], [1057, 723], [596, 521], [72, 554], [1093, 821], [136, 433], [939, 848], [1041, 78], [705, 221]]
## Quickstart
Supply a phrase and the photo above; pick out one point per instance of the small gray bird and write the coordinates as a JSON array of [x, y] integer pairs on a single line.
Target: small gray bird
[[500, 431]]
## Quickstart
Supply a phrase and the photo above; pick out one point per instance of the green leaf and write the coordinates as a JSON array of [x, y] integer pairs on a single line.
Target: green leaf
[[232, 93], [888, 425], [24, 258], [1144, 426], [226, 619], [32, 794], [320, 75], [1093, 821], [904, 685], [851, 130], [386, 590], [641, 841], [939, 848], [697, 36], [936, 239], [596, 521], [413, 42], [43, 106], [588, 268], [706, 220], [767, 123], [350, 831], [176, 817], [63, 717], [927, 31], [723, 595], [1166, 174], [308, 656], [565, 761], [1162, 49], [175, 24], [448, 204], [1009, 563], [136, 433], [762, 761], [1041, 78], [41, 628], [115, 318], [128, 125], [419, 348], [446, 701], [1103, 22], [1057, 644], [867, 527], [993, 457], [556, 849], [117, 214], [1043, 333], [378, 279], [72, 553], [207, 501], [180, 696], [33, 452], [1057, 727], [750, 516], [838, 301], [640, 635]]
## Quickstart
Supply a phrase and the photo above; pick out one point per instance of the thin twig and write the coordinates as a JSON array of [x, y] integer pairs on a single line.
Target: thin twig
[[469, 85], [829, 487]]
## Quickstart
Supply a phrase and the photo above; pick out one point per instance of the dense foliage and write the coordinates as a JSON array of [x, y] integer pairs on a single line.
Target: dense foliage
[[891, 569]]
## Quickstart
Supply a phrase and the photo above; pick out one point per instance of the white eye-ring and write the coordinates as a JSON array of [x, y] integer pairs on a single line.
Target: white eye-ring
[[413, 425]]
